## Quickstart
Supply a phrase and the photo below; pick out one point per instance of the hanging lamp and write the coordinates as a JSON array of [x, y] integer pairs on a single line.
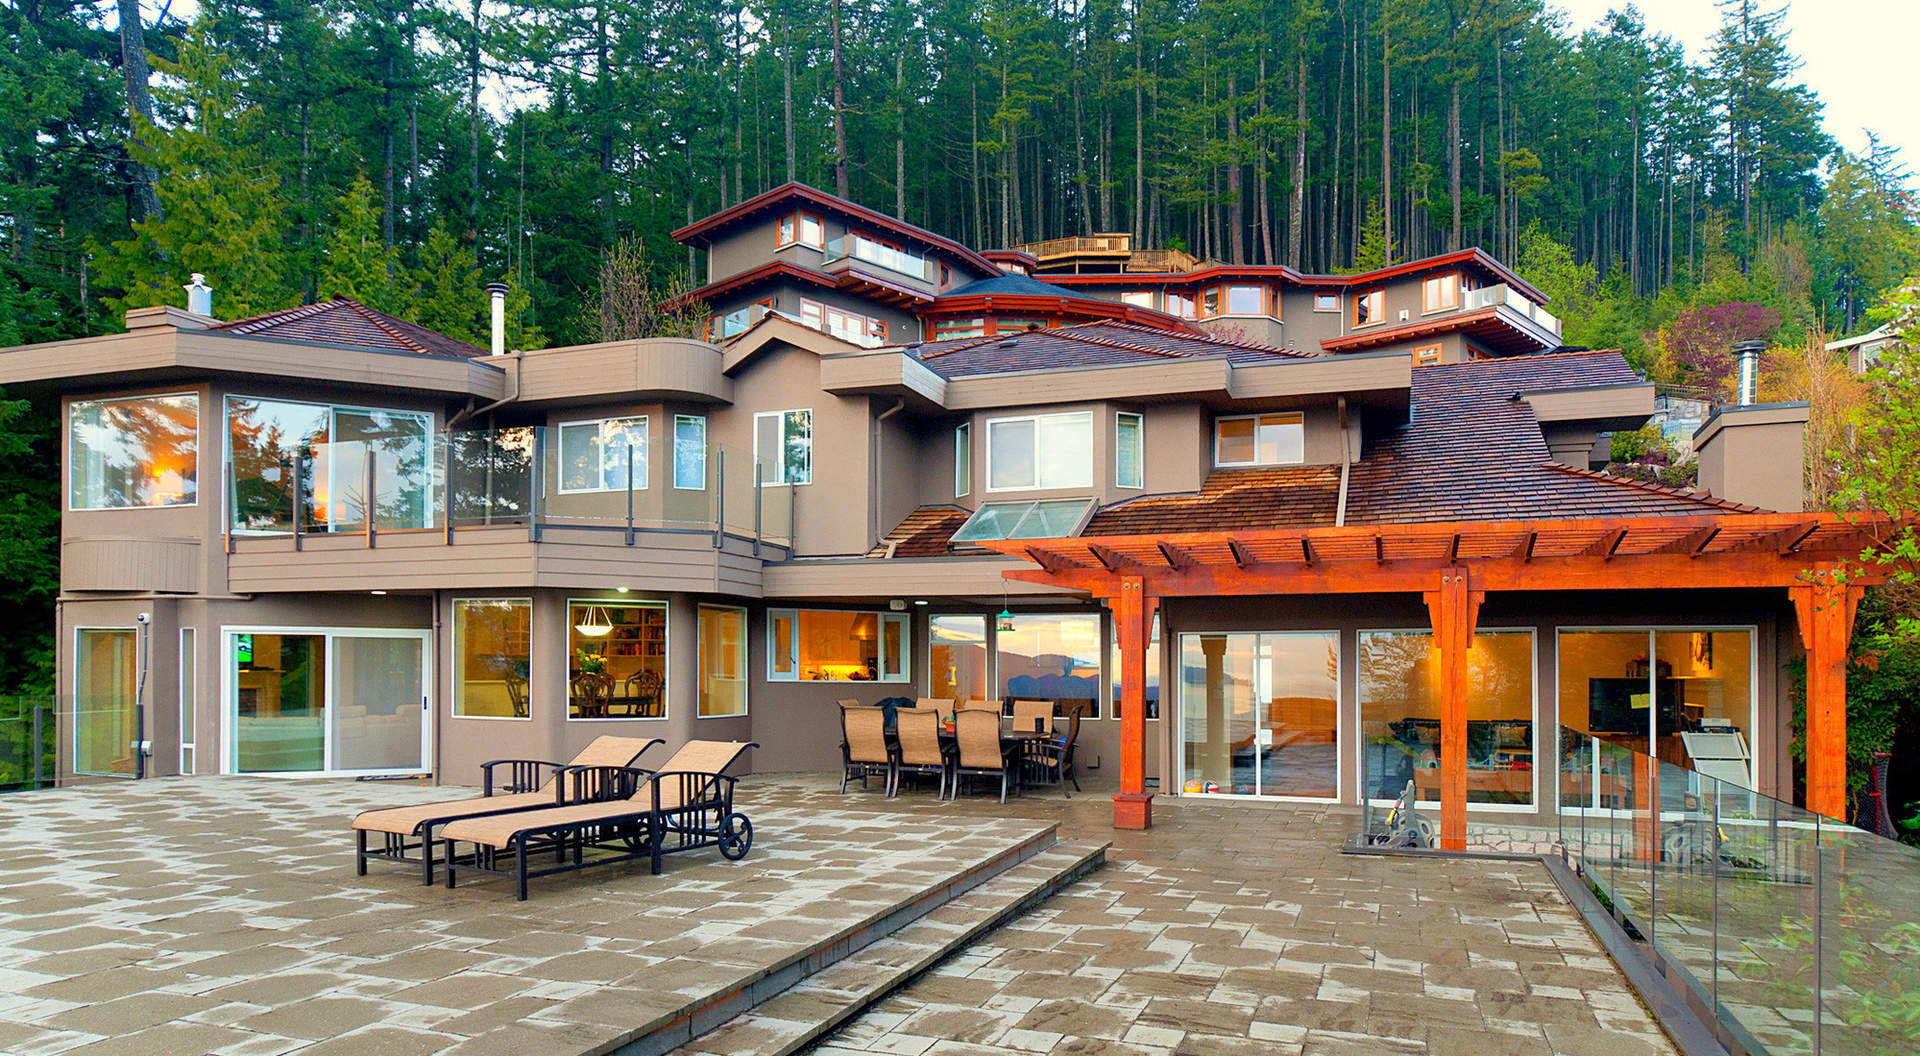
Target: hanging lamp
[[595, 624]]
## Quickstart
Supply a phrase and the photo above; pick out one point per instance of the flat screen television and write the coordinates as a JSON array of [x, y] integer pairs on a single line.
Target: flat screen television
[[1610, 705]]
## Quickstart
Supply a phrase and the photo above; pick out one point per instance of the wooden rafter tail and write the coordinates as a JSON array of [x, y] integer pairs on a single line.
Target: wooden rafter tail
[[1453, 548], [1242, 555], [1607, 545], [1176, 557], [1113, 560], [1523, 550], [1306, 551], [1783, 541], [1692, 544], [1051, 561], [1379, 549]]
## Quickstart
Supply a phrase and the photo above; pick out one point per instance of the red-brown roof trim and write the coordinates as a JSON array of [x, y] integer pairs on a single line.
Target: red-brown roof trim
[[1092, 307], [700, 232], [1374, 338], [751, 278], [1228, 272]]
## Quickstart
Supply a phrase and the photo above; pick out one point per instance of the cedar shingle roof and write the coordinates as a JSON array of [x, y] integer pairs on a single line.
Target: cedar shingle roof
[[345, 321], [1086, 345], [1471, 452]]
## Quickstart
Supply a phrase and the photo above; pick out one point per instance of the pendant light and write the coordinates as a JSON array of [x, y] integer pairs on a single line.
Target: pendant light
[[595, 624], [1004, 621]]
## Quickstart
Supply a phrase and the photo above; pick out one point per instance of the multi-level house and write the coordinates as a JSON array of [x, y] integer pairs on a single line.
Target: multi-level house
[[1271, 550]]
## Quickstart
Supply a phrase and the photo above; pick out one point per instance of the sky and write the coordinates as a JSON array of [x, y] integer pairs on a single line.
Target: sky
[[1856, 55]]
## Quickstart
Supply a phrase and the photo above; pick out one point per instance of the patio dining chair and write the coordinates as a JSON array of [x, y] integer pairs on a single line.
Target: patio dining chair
[[981, 752], [941, 706], [1027, 712], [921, 752], [864, 751], [1052, 758]]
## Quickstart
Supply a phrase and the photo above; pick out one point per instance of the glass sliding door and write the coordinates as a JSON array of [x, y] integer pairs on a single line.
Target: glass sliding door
[[1259, 713], [314, 701], [106, 665], [378, 721], [335, 449], [957, 657], [1400, 716]]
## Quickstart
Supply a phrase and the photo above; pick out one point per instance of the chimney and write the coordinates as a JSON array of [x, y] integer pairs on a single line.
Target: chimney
[[497, 294], [1747, 354], [199, 296], [1754, 454]]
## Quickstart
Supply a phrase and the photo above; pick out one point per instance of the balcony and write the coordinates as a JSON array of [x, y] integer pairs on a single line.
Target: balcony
[[504, 508], [844, 250], [1104, 245], [1504, 296]]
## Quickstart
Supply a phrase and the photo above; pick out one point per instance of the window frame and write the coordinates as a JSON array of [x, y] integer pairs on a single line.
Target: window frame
[[666, 656], [1332, 297], [1372, 299], [678, 420], [72, 463], [902, 620], [1265, 294], [456, 657], [1181, 304], [639, 468], [1427, 355], [962, 459], [819, 240], [1140, 449], [745, 660], [1038, 484], [1549, 738], [1300, 418], [1450, 284], [1137, 298], [786, 229], [783, 480], [433, 430]]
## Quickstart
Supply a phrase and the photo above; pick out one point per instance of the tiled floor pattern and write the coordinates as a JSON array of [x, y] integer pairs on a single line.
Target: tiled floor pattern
[[1239, 928], [222, 915]]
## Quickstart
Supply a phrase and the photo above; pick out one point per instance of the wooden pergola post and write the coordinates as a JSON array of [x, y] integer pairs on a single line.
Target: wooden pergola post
[[1455, 609], [1825, 607], [1133, 617]]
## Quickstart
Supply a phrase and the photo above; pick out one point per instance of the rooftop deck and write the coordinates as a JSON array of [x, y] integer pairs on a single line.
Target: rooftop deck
[[205, 915]]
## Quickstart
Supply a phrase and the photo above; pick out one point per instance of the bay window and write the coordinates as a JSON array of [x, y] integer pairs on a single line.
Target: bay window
[[829, 645], [1259, 440], [783, 447], [595, 455], [1040, 452], [1247, 300], [133, 452]]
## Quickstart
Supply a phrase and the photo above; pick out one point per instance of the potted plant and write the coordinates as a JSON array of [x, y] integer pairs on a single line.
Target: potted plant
[[589, 663]]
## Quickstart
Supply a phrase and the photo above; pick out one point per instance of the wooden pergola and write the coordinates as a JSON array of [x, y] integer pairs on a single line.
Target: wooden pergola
[[1814, 557]]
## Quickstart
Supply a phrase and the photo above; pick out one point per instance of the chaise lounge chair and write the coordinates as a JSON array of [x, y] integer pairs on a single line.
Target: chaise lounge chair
[[685, 805], [528, 784]]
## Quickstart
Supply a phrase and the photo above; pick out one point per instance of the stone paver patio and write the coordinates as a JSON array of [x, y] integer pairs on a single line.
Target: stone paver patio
[[222, 915]]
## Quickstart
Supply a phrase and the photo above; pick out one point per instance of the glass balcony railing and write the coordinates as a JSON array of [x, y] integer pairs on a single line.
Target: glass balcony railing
[[1502, 294], [591, 478], [1795, 931], [895, 260]]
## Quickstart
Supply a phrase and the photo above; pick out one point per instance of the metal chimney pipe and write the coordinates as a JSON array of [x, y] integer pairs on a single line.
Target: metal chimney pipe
[[1747, 353], [199, 296], [497, 293]]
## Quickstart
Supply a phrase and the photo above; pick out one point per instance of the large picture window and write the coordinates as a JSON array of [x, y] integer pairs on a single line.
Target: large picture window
[[1400, 716], [338, 449], [1684, 695], [1040, 452], [1260, 440], [595, 455], [957, 657], [783, 446], [723, 661], [617, 659], [492, 655], [1259, 713], [139, 451], [828, 645], [1050, 656]]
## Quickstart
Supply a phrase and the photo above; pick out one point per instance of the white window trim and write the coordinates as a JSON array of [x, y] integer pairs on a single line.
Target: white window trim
[[139, 662], [453, 663], [230, 703], [1140, 438], [903, 619], [781, 462], [1533, 641], [639, 467], [666, 659], [1341, 735], [1256, 440], [189, 698], [675, 474], [1037, 485], [962, 459], [746, 662], [66, 442], [333, 411]]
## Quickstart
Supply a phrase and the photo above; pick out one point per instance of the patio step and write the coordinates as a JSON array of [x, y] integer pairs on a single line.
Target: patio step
[[816, 1006]]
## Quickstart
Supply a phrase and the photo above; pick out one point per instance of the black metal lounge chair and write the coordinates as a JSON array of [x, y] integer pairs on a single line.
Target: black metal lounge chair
[[526, 784], [685, 805]]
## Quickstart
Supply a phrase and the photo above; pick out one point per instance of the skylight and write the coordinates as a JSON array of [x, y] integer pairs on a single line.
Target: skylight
[[1045, 519]]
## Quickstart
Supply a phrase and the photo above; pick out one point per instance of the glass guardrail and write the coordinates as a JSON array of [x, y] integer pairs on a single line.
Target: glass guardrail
[[29, 742], [1798, 932]]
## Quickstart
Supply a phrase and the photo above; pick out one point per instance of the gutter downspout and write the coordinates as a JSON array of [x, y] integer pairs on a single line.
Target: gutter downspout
[[513, 393], [1346, 462], [879, 454]]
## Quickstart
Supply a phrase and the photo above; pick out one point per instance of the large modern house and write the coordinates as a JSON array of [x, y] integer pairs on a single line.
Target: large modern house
[[1284, 535]]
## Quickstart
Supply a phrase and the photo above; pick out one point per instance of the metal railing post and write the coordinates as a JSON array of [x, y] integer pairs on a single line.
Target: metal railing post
[[232, 511], [367, 501], [758, 487], [38, 732], [719, 497], [446, 487], [298, 492], [629, 493], [539, 484]]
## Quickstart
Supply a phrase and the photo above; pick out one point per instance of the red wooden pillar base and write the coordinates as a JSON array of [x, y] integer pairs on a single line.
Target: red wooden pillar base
[[1133, 810]]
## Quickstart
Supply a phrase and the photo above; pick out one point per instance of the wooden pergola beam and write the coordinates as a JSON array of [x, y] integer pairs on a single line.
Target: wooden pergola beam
[[1113, 560], [1607, 545], [1690, 544], [1306, 550], [1051, 561], [1523, 549], [1780, 541], [1175, 556], [1242, 554]]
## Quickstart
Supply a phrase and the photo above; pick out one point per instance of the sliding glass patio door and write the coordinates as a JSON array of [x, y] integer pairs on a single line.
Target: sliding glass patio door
[[317, 701]]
